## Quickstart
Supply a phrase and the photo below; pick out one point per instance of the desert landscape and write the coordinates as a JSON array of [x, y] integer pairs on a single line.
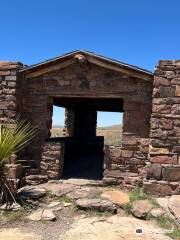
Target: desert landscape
[[112, 134]]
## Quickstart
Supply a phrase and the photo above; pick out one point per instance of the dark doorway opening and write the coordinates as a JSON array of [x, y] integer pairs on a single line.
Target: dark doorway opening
[[83, 149], [84, 159]]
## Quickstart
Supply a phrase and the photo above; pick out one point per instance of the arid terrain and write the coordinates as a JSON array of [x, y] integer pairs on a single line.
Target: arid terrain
[[86, 209], [112, 134]]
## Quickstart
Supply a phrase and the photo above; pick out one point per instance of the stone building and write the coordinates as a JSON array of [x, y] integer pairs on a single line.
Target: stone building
[[84, 83]]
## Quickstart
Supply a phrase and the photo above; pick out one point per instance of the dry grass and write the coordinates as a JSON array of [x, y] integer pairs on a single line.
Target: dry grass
[[112, 134], [56, 132]]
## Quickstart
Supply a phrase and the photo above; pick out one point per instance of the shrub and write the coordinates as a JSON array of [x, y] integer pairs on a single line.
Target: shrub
[[13, 137]]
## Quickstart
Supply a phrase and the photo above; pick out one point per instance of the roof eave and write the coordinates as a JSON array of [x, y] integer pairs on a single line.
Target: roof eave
[[90, 54]]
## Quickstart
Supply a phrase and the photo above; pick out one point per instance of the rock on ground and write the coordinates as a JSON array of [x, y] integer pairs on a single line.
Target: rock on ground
[[84, 193], [60, 189], [29, 192], [83, 182], [53, 204], [157, 212], [43, 215], [16, 234], [174, 206], [113, 228], [13, 207], [118, 197], [141, 208], [96, 204]]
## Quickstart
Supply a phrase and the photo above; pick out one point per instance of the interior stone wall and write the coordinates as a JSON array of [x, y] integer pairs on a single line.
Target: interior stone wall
[[68, 130]]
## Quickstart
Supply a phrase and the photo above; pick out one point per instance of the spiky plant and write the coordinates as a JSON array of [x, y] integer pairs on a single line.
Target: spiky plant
[[13, 137]]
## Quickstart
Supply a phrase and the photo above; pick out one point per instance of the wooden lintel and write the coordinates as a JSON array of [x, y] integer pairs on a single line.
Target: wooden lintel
[[50, 68], [128, 72], [87, 94]]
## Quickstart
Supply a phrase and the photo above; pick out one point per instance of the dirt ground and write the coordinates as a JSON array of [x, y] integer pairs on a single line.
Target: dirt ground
[[74, 224]]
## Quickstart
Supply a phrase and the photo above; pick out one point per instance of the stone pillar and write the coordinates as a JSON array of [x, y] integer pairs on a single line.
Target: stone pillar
[[10, 94], [69, 122], [52, 159], [163, 171], [49, 115]]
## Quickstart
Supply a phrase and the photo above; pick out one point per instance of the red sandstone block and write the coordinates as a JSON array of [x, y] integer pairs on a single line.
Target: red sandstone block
[[166, 91], [163, 108], [154, 123], [5, 73], [127, 153], [129, 140], [53, 175], [176, 109], [166, 123], [10, 78], [160, 81], [176, 149], [166, 62], [170, 74], [158, 188], [155, 92], [171, 174], [11, 84], [161, 159], [154, 171]]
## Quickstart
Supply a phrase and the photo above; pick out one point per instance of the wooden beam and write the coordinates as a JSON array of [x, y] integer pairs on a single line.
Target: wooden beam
[[39, 72], [113, 67]]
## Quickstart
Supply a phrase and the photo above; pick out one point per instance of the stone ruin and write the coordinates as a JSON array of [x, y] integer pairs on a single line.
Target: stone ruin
[[84, 83]]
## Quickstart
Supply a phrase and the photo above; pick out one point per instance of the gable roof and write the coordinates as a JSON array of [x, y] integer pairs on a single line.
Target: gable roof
[[67, 59]]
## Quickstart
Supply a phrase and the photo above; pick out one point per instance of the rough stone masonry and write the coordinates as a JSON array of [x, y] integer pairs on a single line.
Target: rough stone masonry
[[84, 83]]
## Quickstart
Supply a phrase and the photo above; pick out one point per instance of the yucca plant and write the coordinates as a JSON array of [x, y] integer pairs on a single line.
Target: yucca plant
[[13, 138]]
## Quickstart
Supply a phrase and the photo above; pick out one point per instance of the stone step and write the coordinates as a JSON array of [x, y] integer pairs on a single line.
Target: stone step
[[36, 179], [33, 171]]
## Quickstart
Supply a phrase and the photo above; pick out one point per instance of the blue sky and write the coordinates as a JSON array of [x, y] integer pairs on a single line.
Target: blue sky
[[137, 32]]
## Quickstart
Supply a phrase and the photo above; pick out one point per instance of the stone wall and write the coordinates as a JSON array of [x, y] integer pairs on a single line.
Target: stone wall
[[151, 123], [35, 97], [164, 166], [94, 82], [126, 164], [10, 90], [52, 159]]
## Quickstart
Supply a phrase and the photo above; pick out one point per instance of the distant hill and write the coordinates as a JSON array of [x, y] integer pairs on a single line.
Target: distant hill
[[57, 126], [112, 127], [112, 134]]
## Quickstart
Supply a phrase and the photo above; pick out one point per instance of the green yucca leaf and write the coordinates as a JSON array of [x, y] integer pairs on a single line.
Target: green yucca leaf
[[13, 137]]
